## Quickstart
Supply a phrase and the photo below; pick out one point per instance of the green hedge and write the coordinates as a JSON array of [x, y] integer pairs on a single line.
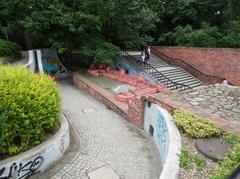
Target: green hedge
[[29, 106], [194, 126], [9, 49], [228, 164]]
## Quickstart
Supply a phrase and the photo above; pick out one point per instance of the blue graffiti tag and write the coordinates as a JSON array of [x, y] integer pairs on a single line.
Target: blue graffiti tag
[[162, 136]]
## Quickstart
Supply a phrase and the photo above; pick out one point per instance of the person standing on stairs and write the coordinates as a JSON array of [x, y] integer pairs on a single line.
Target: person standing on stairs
[[143, 56], [147, 54]]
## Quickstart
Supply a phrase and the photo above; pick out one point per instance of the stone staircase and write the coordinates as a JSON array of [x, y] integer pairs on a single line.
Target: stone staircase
[[174, 73]]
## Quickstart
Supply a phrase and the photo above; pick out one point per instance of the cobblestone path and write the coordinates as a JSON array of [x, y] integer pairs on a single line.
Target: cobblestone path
[[99, 138], [218, 99]]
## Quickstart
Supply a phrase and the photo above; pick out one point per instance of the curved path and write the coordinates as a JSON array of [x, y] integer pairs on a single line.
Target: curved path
[[100, 138]]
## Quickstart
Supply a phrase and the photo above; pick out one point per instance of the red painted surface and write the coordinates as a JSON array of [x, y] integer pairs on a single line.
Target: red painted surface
[[137, 81], [220, 62]]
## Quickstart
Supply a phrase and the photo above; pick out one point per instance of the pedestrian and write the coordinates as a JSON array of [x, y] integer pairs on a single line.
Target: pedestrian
[[143, 55], [147, 52]]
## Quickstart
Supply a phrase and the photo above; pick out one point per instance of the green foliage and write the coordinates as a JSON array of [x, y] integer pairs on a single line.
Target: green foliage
[[207, 36], [127, 24], [76, 23], [194, 126], [29, 106], [9, 49], [103, 54], [106, 53], [232, 138], [187, 159], [232, 38], [228, 164]]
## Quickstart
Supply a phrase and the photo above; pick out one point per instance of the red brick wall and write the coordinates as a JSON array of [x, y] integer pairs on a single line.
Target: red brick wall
[[221, 62], [133, 111], [136, 109]]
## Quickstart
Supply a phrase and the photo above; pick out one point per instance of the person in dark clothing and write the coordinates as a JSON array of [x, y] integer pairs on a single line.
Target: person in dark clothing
[[147, 55]]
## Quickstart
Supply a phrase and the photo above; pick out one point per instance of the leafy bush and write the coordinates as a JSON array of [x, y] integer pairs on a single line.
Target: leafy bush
[[206, 36], [187, 159], [195, 127], [228, 164], [9, 48], [103, 54], [29, 106], [232, 38]]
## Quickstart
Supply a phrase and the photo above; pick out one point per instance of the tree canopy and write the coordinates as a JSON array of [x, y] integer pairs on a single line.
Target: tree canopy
[[102, 26]]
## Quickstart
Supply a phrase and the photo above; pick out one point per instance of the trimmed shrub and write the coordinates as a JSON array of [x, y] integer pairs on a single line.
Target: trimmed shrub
[[228, 164], [194, 126], [29, 107], [9, 49]]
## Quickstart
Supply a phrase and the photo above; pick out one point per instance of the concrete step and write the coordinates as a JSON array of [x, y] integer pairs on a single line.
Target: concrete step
[[189, 79], [177, 75], [174, 73]]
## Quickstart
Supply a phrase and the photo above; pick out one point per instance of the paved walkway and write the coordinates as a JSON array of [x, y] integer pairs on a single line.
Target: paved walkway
[[100, 138], [218, 99]]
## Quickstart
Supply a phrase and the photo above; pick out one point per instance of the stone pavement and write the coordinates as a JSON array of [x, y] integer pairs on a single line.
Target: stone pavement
[[101, 138], [219, 99]]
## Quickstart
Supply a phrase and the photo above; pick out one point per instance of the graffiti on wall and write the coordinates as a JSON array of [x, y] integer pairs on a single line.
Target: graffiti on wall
[[156, 118], [162, 135], [21, 170]]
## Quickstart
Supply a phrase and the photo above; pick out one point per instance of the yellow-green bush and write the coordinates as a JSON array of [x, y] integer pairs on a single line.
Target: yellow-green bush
[[29, 106], [228, 164], [194, 126]]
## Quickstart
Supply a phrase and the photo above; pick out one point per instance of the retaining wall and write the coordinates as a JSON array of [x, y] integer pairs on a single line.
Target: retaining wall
[[159, 123], [39, 158], [223, 63]]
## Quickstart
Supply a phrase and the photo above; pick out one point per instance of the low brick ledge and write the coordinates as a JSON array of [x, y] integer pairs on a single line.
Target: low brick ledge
[[101, 95], [170, 105]]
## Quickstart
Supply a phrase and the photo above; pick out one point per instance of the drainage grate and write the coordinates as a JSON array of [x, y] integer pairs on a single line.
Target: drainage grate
[[88, 110]]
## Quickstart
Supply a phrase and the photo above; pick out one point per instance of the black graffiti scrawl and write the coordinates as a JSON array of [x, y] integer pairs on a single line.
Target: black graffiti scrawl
[[20, 170]]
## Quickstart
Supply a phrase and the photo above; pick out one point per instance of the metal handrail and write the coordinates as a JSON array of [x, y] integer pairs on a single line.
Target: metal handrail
[[151, 70], [182, 63]]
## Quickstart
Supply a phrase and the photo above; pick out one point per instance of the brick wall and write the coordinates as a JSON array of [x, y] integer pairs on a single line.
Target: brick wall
[[132, 111], [136, 109], [220, 62]]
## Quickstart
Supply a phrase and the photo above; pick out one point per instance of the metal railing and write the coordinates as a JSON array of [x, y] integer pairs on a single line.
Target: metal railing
[[189, 68], [149, 69]]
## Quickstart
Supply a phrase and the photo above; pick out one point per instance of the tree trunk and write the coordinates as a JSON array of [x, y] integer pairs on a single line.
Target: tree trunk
[[28, 41]]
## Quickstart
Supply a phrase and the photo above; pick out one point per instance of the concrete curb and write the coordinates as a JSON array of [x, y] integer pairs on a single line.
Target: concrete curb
[[39, 158], [171, 167]]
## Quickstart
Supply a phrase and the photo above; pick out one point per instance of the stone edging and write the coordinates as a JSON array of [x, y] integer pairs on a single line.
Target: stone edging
[[39, 158]]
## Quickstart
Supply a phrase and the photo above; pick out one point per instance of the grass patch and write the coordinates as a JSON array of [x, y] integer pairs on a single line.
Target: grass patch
[[232, 138], [228, 164], [188, 160]]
